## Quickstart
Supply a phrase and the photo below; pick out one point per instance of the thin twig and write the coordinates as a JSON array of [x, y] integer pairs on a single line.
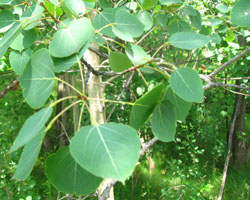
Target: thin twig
[[9, 87], [226, 64], [99, 53], [144, 36], [229, 149], [51, 15]]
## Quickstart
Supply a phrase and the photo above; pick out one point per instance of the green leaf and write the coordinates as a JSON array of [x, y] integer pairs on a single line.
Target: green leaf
[[119, 61], [241, 13], [180, 26], [169, 2], [161, 19], [107, 16], [222, 8], [215, 22], [147, 4], [65, 63], [230, 36], [189, 10], [215, 38], [196, 20], [187, 84], [68, 176], [7, 39], [181, 107], [144, 106], [31, 16], [70, 40], [146, 19], [136, 54], [3, 2], [107, 150], [188, 40], [127, 26], [73, 7], [24, 40], [38, 78], [18, 61], [29, 156], [105, 4], [52, 8], [31, 128], [6, 20], [163, 121]]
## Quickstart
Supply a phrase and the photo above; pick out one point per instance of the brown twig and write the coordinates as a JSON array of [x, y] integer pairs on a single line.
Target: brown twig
[[12, 86], [52, 16], [226, 64]]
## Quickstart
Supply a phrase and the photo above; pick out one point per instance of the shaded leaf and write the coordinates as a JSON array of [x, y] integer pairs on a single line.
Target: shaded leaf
[[24, 40], [180, 26], [187, 84], [181, 107], [68, 176], [19, 60], [71, 39], [31, 128], [196, 20], [144, 106], [241, 13], [115, 146], [163, 121], [38, 78], [29, 156], [188, 40], [119, 61], [6, 20]]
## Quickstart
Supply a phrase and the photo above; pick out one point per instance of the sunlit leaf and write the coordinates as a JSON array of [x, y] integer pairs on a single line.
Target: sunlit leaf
[[107, 150], [73, 7], [188, 40], [137, 55], [241, 13]]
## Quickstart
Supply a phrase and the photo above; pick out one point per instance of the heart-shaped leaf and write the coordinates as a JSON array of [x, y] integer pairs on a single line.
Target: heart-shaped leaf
[[144, 106], [29, 156], [119, 61], [136, 54], [31, 128], [163, 121], [181, 106], [24, 40], [19, 60], [187, 84], [107, 150], [127, 26], [188, 40], [68, 176], [240, 13], [6, 20], [38, 78], [70, 40]]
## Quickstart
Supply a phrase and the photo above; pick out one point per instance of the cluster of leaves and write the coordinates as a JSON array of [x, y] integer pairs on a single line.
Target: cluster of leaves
[[98, 151]]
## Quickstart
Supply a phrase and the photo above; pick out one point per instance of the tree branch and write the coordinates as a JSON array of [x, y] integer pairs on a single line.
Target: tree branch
[[226, 64], [12, 86]]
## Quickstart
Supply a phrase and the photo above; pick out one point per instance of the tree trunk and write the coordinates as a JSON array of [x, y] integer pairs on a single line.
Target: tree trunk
[[240, 139], [95, 89]]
